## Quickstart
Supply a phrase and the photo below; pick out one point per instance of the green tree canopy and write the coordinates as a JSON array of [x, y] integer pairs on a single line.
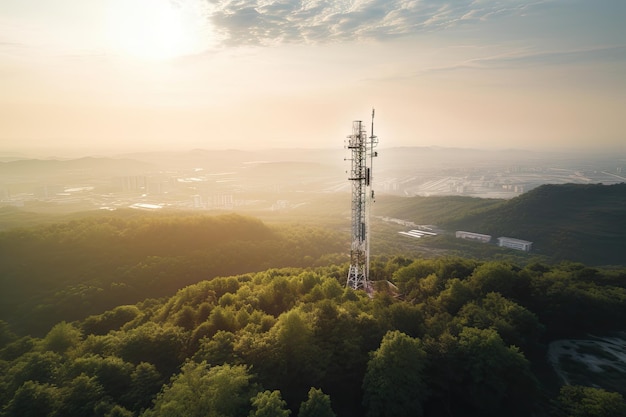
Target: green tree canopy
[[485, 366], [394, 384], [577, 401], [203, 391], [287, 357], [62, 337], [269, 404], [81, 397], [146, 382], [33, 399], [317, 404], [514, 323]]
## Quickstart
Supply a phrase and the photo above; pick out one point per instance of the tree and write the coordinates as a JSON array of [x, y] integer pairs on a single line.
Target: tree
[[119, 411], [111, 372], [514, 323], [81, 397], [145, 384], [343, 351], [33, 399], [394, 384], [498, 277], [203, 391], [110, 320], [277, 296], [62, 337], [162, 346], [216, 350], [455, 296], [41, 367], [491, 374], [269, 404], [577, 401], [316, 405], [287, 357], [17, 348]]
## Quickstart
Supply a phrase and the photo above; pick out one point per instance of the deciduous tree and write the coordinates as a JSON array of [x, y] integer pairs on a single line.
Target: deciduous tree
[[577, 401], [203, 391], [269, 404], [317, 404], [394, 384]]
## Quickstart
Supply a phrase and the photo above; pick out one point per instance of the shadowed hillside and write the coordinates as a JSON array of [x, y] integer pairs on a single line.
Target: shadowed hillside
[[585, 223], [581, 223], [65, 271]]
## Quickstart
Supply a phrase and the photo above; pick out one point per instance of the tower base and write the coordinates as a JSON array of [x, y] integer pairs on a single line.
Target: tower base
[[357, 279]]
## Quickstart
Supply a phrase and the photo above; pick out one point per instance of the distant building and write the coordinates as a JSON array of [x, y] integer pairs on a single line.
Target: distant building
[[197, 201], [473, 236], [417, 233], [518, 244], [132, 182], [221, 201]]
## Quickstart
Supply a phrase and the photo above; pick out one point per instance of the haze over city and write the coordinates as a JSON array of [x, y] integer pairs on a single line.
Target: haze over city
[[128, 75]]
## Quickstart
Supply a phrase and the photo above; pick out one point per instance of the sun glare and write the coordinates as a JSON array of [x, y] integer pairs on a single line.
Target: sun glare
[[157, 29]]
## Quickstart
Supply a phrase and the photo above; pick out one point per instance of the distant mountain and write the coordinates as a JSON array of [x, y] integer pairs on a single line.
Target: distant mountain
[[228, 159], [583, 223]]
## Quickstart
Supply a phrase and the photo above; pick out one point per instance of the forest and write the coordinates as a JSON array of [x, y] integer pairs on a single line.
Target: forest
[[567, 222], [141, 314], [68, 270], [466, 338]]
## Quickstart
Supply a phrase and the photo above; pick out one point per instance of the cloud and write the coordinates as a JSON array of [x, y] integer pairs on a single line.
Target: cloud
[[523, 59], [561, 57], [266, 22]]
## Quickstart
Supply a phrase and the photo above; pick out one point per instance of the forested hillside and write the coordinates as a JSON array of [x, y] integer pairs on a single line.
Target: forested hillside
[[570, 222], [585, 223], [433, 210], [465, 338], [66, 271]]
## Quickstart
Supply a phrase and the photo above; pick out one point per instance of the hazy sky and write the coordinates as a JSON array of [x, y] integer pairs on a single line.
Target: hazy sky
[[183, 74]]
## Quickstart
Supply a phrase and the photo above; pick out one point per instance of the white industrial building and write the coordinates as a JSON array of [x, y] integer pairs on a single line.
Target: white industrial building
[[518, 244], [417, 233], [473, 236]]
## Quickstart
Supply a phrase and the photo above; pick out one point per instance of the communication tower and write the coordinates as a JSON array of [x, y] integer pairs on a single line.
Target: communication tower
[[362, 156]]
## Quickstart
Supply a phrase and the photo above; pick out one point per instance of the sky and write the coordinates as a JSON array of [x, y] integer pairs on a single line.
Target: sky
[[99, 75]]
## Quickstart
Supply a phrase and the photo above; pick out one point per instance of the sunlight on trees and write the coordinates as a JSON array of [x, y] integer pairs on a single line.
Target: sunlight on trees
[[577, 401], [269, 404], [203, 391], [317, 404], [61, 338]]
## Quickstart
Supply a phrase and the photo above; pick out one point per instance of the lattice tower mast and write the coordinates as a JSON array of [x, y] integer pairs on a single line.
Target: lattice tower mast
[[362, 158]]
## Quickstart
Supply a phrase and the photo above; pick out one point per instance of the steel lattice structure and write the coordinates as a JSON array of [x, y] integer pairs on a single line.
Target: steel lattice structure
[[362, 156]]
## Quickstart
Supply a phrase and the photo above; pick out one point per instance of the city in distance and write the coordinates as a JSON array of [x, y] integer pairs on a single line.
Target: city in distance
[[282, 179]]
